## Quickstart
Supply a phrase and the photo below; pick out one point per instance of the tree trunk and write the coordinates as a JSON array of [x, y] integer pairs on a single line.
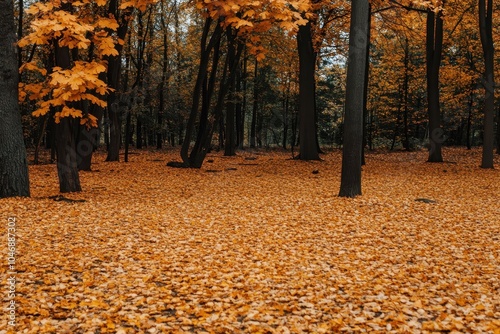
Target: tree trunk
[[67, 167], [255, 107], [66, 131], [307, 95], [485, 27], [286, 105], [163, 87], [229, 147], [406, 142], [88, 140], [469, 118], [20, 22], [434, 46], [240, 115], [114, 70], [350, 185], [198, 92], [498, 131], [365, 90], [14, 180]]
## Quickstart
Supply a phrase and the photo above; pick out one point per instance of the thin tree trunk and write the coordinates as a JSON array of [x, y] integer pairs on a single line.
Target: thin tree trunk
[[206, 49], [434, 45], [40, 137], [469, 118], [14, 180], [286, 106], [114, 71], [229, 147], [20, 19], [406, 142], [365, 91], [164, 83], [253, 125], [486, 32]]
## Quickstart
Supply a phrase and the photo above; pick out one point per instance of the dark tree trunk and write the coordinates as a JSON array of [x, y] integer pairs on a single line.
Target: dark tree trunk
[[231, 64], [469, 118], [14, 180], [434, 46], [40, 138], [20, 19], [365, 91], [307, 95], [67, 167], [164, 83], [498, 131], [139, 139], [66, 131], [128, 134], [286, 105], [406, 142], [239, 108], [350, 185], [205, 127], [200, 85], [114, 69], [88, 140], [255, 106], [229, 147], [485, 27]]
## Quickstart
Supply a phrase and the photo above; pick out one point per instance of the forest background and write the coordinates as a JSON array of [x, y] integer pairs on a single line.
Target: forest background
[[267, 74]]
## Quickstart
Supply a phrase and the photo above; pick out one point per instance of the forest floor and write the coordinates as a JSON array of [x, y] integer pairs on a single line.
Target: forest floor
[[258, 243]]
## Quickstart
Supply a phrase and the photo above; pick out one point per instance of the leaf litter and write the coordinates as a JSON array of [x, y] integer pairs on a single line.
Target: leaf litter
[[260, 248]]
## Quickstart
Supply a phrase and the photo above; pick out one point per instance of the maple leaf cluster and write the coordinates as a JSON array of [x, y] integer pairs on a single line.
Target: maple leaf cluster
[[69, 25], [251, 18]]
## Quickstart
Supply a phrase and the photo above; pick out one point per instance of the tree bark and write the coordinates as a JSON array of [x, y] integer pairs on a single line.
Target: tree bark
[[14, 180], [66, 131], [486, 32], [114, 69], [498, 131], [470, 103], [230, 142], [365, 90], [307, 95], [350, 185], [406, 142], [434, 46], [200, 85], [88, 140], [255, 106]]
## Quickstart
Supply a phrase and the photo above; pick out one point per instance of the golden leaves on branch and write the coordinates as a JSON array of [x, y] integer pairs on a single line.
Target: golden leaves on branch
[[75, 29], [251, 18]]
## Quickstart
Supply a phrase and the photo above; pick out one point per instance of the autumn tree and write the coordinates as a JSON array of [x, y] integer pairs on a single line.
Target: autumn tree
[[353, 124], [14, 179], [310, 39], [68, 87]]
